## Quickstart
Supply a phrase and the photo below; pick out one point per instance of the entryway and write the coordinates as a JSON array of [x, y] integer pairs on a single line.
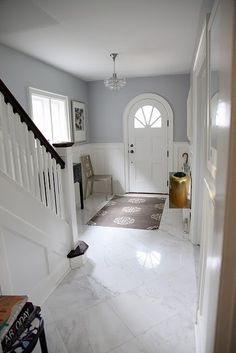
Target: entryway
[[136, 292], [148, 132]]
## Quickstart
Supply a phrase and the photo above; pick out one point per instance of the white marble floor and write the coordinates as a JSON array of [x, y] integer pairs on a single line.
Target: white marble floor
[[135, 294]]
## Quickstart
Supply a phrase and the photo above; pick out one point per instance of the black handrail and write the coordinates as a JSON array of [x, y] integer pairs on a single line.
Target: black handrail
[[24, 117]]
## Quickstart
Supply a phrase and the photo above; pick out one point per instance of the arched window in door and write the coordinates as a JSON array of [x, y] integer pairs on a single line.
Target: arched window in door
[[147, 116]]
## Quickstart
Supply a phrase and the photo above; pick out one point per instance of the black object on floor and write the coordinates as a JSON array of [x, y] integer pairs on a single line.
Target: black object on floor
[[80, 250]]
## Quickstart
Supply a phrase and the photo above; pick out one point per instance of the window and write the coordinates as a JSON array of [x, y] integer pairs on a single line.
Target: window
[[147, 116], [50, 114]]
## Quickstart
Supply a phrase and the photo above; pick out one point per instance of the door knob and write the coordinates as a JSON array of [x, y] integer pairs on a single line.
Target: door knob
[[131, 151]]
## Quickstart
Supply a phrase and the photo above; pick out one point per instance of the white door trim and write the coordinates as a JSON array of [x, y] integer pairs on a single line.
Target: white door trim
[[196, 211], [126, 113]]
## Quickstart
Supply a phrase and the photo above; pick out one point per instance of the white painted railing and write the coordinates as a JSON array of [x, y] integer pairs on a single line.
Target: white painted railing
[[28, 159]]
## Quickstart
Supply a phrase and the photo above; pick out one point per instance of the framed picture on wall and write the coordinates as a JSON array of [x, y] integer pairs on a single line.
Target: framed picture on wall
[[78, 121]]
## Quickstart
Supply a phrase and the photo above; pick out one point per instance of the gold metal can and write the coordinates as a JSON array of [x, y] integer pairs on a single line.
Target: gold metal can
[[179, 190]]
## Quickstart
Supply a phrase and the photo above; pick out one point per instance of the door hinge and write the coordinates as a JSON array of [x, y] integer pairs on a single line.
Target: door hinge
[[167, 154], [168, 123], [167, 183]]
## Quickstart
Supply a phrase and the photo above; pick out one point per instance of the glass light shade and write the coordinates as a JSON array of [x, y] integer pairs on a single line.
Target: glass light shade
[[115, 83]]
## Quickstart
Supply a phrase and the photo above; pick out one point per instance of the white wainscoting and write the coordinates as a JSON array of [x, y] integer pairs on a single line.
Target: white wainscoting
[[34, 243], [208, 285], [108, 158]]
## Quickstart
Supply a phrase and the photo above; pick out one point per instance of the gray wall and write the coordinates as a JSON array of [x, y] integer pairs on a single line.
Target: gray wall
[[106, 107], [19, 71]]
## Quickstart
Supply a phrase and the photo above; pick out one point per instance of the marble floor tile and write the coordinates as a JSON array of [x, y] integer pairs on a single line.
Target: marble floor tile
[[73, 332], [175, 334], [55, 342], [106, 330], [117, 279], [140, 312], [80, 294], [132, 346], [135, 294]]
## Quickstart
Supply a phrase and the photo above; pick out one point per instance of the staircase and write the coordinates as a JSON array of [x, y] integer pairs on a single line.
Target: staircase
[[37, 206]]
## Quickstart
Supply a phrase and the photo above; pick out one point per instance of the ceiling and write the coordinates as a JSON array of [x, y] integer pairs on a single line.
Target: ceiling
[[152, 37]]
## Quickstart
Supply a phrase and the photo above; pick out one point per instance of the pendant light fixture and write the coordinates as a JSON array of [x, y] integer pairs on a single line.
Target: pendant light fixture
[[114, 83]]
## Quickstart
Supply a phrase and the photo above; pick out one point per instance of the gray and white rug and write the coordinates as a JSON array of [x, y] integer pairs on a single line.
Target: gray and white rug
[[129, 211]]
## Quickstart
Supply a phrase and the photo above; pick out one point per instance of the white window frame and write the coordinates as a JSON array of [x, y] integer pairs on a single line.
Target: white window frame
[[51, 95]]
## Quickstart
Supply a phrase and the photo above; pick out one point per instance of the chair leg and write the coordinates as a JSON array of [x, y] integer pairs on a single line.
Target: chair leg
[[107, 190], [85, 189], [111, 187], [91, 188]]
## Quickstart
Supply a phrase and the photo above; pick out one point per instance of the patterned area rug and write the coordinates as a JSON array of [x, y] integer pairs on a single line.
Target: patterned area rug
[[130, 212]]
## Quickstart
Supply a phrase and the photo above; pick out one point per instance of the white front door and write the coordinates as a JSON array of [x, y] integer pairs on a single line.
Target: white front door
[[148, 147]]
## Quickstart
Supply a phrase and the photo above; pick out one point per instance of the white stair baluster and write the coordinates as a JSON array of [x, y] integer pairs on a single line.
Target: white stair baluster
[[12, 124], [41, 172], [21, 148], [52, 184], [3, 166], [25, 158], [6, 141], [57, 198], [60, 192], [46, 173], [33, 149], [28, 158]]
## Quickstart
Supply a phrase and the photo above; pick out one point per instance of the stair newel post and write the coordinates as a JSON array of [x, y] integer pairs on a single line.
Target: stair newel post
[[66, 153]]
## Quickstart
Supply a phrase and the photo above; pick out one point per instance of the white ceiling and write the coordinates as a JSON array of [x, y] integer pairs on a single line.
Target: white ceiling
[[152, 37]]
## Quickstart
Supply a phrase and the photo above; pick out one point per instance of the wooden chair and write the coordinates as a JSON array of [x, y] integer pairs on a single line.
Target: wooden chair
[[90, 178]]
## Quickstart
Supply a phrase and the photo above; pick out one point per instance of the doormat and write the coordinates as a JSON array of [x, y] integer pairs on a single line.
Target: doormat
[[130, 212]]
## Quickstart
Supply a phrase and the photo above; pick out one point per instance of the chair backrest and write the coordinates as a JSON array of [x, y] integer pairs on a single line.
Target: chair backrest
[[87, 166]]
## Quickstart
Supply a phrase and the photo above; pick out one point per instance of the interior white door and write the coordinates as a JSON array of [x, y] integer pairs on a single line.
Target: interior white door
[[148, 147]]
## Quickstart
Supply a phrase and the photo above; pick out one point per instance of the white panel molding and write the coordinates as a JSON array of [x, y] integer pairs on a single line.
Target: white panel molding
[[5, 278], [51, 240], [13, 196], [197, 141], [107, 158], [190, 114], [36, 228], [48, 242], [40, 293]]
